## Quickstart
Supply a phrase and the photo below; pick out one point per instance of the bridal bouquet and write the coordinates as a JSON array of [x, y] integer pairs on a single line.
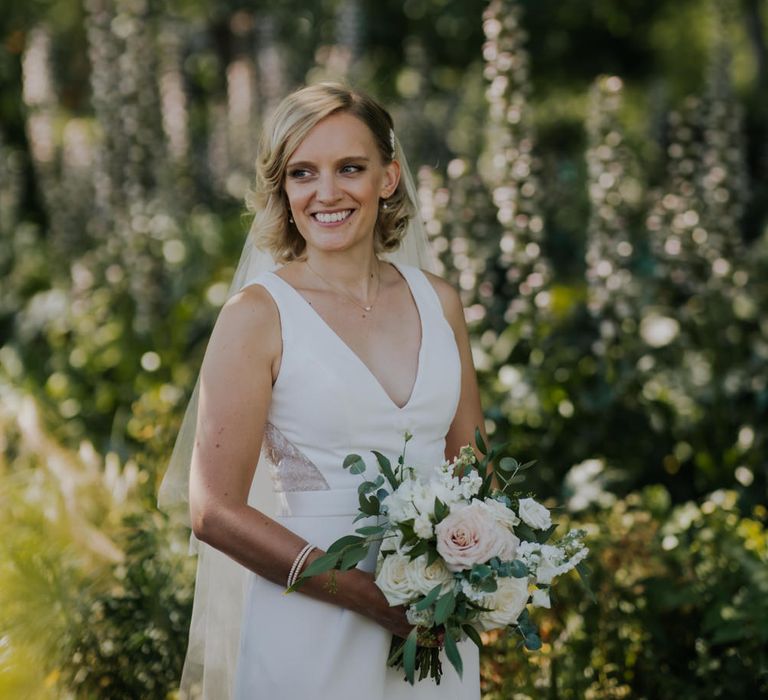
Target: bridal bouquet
[[462, 553]]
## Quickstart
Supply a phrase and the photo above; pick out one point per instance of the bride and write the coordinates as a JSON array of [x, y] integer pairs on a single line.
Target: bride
[[331, 344]]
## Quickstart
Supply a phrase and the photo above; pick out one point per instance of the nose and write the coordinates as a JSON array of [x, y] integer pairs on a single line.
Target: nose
[[327, 188]]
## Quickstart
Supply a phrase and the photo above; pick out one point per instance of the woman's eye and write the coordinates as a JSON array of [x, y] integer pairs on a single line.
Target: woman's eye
[[351, 168], [298, 173]]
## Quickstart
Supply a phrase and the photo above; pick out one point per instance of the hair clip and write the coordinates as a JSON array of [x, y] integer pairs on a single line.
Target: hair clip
[[392, 141]]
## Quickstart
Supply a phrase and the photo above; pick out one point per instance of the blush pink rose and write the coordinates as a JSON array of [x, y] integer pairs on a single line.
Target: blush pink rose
[[472, 535]]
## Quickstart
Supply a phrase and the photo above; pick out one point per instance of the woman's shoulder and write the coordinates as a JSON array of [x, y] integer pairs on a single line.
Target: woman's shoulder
[[249, 323]]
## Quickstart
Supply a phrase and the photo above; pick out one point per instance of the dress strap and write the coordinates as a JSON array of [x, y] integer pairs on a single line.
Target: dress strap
[[424, 294]]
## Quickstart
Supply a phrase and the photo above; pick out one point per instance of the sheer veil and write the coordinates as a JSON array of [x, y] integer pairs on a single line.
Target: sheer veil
[[220, 584]]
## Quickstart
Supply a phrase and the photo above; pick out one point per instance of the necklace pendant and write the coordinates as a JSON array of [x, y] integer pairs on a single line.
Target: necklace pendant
[[367, 308]]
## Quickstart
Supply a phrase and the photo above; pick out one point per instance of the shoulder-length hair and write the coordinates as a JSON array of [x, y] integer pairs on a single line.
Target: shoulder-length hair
[[287, 127]]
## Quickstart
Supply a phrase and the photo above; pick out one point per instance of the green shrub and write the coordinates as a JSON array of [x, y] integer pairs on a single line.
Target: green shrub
[[680, 611]]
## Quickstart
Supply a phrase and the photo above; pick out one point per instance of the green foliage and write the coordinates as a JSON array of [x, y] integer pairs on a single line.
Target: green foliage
[[131, 640], [680, 612]]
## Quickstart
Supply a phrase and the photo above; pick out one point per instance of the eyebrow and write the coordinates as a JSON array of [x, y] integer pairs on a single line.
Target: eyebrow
[[305, 163]]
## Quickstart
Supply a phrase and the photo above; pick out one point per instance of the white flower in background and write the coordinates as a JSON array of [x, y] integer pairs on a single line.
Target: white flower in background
[[422, 578], [506, 516], [658, 331], [540, 598], [392, 579], [586, 482], [505, 603], [534, 514], [471, 535]]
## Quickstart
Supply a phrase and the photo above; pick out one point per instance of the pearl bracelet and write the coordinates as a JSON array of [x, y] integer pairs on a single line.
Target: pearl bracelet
[[298, 563]]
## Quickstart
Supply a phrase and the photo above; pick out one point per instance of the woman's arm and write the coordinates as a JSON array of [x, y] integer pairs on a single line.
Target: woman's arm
[[469, 413], [235, 393]]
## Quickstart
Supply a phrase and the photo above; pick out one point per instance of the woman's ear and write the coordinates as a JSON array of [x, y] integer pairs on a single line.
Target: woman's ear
[[391, 178]]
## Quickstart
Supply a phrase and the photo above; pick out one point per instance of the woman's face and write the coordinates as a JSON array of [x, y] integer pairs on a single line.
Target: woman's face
[[333, 182]]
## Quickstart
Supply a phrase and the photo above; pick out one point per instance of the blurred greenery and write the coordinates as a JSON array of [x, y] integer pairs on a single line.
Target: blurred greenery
[[594, 177]]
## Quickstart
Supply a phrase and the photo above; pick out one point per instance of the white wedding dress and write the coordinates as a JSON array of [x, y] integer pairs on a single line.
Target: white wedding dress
[[326, 403]]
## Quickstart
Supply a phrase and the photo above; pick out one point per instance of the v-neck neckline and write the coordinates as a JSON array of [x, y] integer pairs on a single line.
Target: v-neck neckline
[[357, 358]]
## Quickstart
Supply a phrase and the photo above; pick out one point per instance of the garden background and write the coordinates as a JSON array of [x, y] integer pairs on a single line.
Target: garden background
[[594, 176]]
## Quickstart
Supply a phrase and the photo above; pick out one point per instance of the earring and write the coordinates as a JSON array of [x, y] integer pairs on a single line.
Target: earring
[[290, 219]]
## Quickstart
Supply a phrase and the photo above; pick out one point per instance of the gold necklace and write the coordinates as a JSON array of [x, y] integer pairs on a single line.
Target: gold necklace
[[346, 294]]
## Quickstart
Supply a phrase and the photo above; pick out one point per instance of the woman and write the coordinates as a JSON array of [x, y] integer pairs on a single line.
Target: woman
[[335, 351]]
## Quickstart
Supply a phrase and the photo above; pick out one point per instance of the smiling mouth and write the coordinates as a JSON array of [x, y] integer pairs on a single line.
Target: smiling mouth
[[335, 217]]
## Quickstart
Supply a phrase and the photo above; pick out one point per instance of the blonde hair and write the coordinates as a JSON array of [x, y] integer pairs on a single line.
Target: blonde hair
[[287, 127]]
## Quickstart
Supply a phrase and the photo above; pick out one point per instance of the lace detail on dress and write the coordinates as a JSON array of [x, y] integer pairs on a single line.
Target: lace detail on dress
[[290, 468]]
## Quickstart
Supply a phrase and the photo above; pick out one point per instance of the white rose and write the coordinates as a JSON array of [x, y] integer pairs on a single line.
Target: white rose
[[505, 603], [506, 516], [423, 578], [471, 535], [534, 514], [392, 579]]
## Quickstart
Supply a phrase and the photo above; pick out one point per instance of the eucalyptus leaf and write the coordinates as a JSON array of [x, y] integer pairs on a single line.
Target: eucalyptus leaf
[[369, 505], [542, 536], [430, 598], [367, 487], [321, 565], [584, 576], [441, 510], [508, 464], [480, 442], [452, 652], [385, 466], [353, 556], [354, 463], [371, 530], [409, 655], [518, 569], [474, 635], [525, 532], [533, 642], [343, 542], [444, 607]]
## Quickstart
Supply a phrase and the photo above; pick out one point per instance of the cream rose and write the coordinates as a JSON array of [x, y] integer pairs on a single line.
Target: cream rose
[[505, 603], [392, 579], [506, 516], [423, 578], [471, 535], [534, 514]]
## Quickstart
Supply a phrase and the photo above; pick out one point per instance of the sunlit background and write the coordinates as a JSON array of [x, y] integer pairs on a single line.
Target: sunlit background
[[594, 177]]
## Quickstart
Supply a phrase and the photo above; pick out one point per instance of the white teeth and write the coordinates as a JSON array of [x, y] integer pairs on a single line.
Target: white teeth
[[332, 218]]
